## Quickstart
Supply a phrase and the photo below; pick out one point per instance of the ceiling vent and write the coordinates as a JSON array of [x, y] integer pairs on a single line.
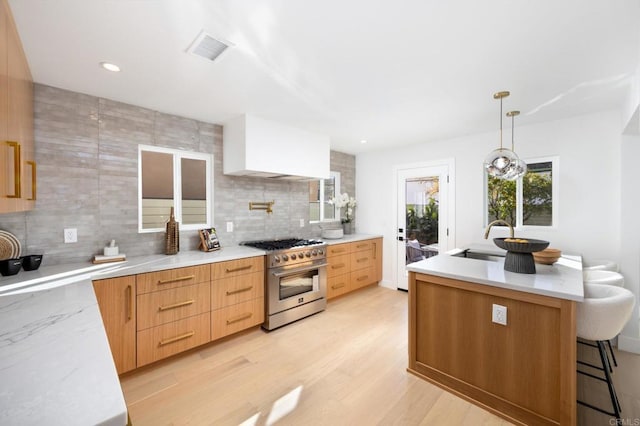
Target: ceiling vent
[[208, 47]]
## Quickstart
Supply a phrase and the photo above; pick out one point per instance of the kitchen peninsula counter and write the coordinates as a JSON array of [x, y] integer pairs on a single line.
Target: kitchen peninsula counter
[[56, 366], [523, 370]]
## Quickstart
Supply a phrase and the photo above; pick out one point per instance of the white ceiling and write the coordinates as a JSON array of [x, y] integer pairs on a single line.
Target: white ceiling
[[390, 72]]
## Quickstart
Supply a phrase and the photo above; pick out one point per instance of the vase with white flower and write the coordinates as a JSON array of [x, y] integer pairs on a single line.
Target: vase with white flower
[[341, 201]]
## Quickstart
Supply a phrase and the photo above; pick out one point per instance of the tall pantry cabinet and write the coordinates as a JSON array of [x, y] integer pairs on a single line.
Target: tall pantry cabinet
[[17, 160]]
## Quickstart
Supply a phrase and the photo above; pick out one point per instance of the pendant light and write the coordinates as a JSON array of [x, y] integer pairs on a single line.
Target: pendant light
[[518, 168], [499, 161]]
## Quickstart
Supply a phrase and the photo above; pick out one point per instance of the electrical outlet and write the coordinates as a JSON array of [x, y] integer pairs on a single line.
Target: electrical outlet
[[301, 223], [70, 235], [499, 314], [229, 226]]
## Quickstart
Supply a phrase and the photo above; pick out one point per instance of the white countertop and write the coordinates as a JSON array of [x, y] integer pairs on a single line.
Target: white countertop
[[55, 363], [349, 238], [561, 280]]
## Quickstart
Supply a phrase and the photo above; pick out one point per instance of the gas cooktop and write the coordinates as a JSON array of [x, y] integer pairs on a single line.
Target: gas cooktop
[[281, 244]]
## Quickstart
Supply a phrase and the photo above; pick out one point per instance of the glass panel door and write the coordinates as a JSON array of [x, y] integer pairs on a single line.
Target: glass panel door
[[422, 216]]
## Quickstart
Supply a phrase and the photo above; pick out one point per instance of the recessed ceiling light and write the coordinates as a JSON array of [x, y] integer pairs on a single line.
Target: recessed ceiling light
[[363, 141], [110, 67]]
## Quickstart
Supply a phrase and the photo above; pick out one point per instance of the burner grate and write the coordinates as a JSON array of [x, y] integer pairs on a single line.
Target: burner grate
[[283, 244]]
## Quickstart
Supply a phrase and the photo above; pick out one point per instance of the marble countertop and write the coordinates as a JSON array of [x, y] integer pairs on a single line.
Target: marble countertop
[[561, 280], [349, 238], [55, 362]]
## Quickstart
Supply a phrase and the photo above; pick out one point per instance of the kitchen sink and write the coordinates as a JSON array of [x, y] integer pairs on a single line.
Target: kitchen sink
[[480, 255]]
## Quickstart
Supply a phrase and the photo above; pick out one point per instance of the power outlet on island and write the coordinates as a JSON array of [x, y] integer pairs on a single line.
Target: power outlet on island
[[499, 314], [229, 226]]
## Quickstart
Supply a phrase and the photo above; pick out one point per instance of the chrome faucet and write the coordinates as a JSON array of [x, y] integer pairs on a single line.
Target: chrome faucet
[[486, 232]]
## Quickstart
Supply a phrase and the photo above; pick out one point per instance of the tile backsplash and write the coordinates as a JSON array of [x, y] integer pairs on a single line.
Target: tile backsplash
[[87, 156]]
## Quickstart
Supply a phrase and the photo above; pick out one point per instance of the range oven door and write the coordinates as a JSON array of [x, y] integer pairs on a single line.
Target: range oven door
[[295, 285]]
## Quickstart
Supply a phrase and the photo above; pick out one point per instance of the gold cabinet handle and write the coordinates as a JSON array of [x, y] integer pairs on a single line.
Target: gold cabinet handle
[[242, 268], [239, 318], [17, 161], [362, 259], [375, 250], [175, 339], [129, 303], [175, 305], [338, 266], [337, 286], [240, 290], [361, 245], [173, 280], [33, 180], [362, 278], [340, 250]]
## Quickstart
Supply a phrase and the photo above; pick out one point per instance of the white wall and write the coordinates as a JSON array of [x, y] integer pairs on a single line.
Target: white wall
[[589, 150], [630, 231]]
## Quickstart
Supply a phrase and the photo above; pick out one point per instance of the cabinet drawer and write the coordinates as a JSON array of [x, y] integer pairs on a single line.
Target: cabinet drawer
[[366, 245], [234, 268], [169, 339], [338, 285], [237, 317], [230, 291], [339, 265], [172, 278], [361, 260], [362, 277], [165, 306], [338, 249]]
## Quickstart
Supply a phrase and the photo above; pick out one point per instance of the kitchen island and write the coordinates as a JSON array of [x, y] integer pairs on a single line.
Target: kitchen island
[[525, 370]]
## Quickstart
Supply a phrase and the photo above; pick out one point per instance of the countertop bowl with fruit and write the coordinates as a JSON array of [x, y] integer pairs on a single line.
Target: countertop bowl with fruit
[[521, 245]]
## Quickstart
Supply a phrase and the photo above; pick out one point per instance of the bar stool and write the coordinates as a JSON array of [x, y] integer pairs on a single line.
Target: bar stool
[[600, 317], [604, 277], [599, 265]]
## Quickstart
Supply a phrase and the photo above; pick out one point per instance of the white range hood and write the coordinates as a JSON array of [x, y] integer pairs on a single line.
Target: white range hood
[[253, 146]]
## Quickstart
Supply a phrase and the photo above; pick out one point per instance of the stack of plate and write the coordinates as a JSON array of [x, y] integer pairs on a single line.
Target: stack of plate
[[10, 247]]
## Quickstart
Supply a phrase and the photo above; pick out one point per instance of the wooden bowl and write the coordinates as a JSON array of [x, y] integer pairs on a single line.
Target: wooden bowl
[[548, 256]]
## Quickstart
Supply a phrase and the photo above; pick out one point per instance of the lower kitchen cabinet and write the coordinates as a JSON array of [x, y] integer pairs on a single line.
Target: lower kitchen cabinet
[[353, 265], [154, 315], [169, 339], [117, 302], [238, 317]]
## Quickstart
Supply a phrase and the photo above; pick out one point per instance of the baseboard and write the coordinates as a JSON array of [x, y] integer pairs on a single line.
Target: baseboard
[[387, 284], [629, 344]]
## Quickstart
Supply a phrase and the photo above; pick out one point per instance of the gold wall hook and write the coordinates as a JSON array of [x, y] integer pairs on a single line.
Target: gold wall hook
[[264, 205]]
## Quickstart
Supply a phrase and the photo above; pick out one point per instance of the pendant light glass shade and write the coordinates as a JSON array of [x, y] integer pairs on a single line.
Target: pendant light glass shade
[[504, 163], [499, 162], [518, 168]]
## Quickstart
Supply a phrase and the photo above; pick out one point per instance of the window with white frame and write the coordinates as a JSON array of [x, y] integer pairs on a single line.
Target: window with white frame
[[531, 200], [320, 192], [171, 178]]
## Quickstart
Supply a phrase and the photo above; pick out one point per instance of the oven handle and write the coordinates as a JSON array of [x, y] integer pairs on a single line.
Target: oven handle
[[307, 268]]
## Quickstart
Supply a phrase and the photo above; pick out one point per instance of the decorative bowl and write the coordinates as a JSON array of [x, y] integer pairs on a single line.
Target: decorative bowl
[[332, 234], [31, 262], [521, 245], [10, 266], [548, 256]]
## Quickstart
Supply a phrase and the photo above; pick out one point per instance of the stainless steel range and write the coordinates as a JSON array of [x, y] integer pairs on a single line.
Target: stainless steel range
[[296, 279]]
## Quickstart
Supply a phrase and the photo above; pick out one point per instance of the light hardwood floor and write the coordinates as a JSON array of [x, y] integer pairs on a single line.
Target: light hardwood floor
[[344, 366]]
